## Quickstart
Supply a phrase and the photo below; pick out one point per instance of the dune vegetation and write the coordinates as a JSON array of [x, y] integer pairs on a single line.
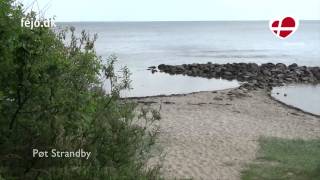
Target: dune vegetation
[[51, 96]]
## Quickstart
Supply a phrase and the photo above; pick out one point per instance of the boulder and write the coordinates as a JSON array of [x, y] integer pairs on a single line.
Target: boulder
[[293, 66]]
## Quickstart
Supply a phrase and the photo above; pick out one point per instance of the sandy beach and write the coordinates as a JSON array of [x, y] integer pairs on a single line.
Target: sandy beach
[[214, 135]]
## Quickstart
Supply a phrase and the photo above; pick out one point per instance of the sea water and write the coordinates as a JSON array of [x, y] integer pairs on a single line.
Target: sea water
[[304, 97], [139, 45]]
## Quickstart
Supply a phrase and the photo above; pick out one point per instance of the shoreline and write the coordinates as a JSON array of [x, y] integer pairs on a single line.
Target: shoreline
[[214, 134], [293, 107], [268, 92], [177, 95], [251, 76]]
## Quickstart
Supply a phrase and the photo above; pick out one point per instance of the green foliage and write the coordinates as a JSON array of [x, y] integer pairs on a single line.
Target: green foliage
[[286, 159], [51, 96]]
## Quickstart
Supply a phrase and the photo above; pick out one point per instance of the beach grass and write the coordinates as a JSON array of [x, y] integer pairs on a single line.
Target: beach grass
[[282, 159]]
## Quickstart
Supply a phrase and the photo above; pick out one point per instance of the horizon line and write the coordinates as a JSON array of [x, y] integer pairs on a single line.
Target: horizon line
[[176, 21]]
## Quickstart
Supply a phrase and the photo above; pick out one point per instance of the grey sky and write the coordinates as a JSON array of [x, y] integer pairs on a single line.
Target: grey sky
[[177, 10]]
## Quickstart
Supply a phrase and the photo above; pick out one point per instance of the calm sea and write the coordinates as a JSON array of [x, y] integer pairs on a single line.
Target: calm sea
[[142, 44]]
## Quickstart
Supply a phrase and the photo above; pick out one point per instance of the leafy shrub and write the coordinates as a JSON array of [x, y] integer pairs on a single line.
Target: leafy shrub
[[51, 96]]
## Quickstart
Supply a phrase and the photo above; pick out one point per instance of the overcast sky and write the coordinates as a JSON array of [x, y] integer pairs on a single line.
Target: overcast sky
[[177, 10]]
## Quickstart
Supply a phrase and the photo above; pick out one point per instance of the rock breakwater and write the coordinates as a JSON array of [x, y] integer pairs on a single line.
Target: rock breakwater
[[256, 76]]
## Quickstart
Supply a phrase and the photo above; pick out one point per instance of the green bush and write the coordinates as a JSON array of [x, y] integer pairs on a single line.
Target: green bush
[[51, 96]]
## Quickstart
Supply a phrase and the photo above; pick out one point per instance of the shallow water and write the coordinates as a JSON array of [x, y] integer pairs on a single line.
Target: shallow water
[[305, 97], [165, 84]]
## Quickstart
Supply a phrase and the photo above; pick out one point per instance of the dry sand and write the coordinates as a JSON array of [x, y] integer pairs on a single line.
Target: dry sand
[[214, 135]]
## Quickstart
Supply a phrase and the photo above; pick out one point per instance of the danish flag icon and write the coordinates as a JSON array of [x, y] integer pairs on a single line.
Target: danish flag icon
[[283, 28]]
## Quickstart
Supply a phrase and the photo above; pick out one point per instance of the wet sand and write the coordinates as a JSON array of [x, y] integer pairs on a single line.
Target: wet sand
[[214, 135]]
